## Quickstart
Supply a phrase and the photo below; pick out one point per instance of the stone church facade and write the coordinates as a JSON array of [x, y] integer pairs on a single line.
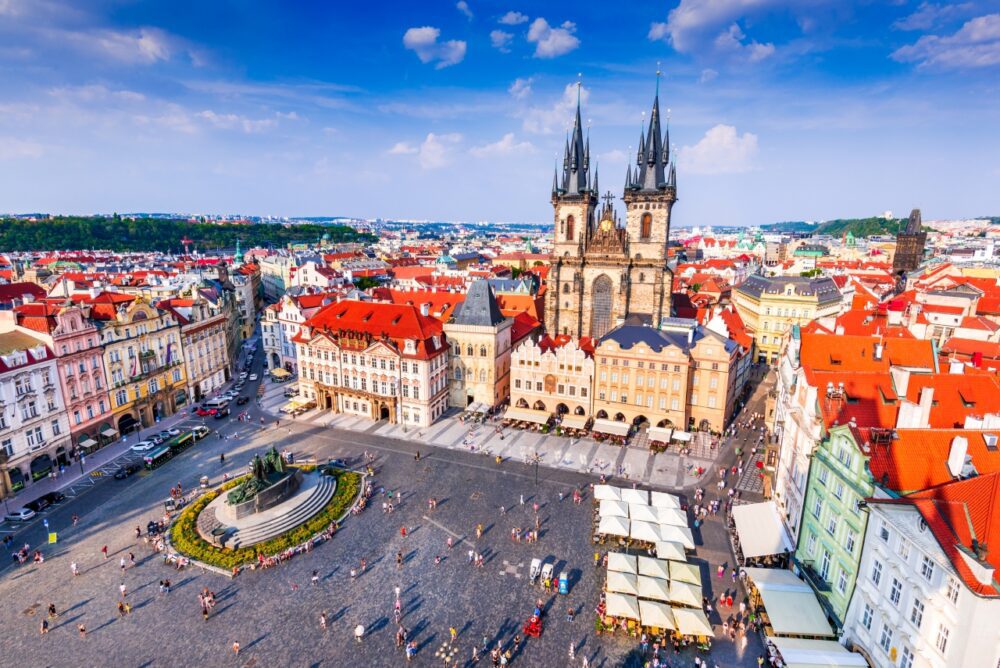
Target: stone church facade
[[603, 271]]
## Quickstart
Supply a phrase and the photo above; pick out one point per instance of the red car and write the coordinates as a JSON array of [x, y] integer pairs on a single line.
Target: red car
[[205, 412]]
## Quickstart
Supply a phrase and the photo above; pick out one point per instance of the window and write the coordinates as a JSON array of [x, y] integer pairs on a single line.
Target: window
[[903, 548], [877, 573], [35, 437], [866, 617], [838, 490], [824, 566], [822, 475], [917, 612], [8, 447], [895, 592], [885, 639], [942, 638], [675, 404], [76, 417], [817, 508], [831, 525], [906, 658], [811, 543], [953, 590], [121, 397], [849, 541], [842, 581], [927, 568], [883, 532], [55, 427]]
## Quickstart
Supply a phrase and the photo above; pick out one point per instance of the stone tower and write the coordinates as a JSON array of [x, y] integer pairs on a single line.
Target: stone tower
[[910, 244], [480, 340], [601, 271]]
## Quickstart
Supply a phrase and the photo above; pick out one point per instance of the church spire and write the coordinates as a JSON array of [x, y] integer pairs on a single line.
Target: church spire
[[652, 166], [576, 163]]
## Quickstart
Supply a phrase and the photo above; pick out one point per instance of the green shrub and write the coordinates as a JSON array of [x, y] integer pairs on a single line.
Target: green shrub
[[185, 537]]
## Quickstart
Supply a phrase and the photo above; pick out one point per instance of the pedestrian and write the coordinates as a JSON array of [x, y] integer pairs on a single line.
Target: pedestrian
[[105, 551], [397, 592], [122, 589], [411, 649], [522, 499], [399, 560], [359, 632], [236, 647], [131, 560], [453, 632], [76, 518], [402, 531], [82, 630], [472, 555], [44, 627], [572, 650], [322, 620], [450, 544], [570, 614], [315, 577], [73, 567], [475, 654], [121, 562], [503, 510], [121, 609]]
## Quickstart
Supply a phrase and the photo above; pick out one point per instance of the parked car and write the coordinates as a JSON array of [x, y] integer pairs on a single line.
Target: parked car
[[37, 506], [143, 446], [125, 470], [173, 431], [20, 515], [156, 438], [253, 377], [165, 435], [200, 432], [204, 412], [242, 400], [54, 497], [243, 375], [222, 413]]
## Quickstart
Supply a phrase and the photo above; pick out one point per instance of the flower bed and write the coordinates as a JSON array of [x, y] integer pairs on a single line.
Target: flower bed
[[185, 538]]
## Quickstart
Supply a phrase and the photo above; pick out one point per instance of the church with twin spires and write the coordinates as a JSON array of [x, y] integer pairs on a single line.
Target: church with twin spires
[[603, 271]]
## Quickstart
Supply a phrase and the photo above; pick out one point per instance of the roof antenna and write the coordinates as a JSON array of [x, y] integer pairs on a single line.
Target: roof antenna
[[579, 85], [658, 73]]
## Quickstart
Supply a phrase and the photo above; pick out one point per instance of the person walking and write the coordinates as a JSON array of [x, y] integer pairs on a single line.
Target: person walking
[[104, 550], [74, 568], [453, 632], [399, 560], [236, 647], [82, 630], [359, 632], [44, 628], [322, 620], [123, 590]]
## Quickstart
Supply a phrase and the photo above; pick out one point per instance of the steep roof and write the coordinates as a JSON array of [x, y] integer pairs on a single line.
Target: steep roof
[[917, 459], [826, 352], [480, 308]]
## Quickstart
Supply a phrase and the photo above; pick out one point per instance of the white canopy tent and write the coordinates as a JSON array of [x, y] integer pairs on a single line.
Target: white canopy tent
[[655, 568], [527, 415], [607, 493], [645, 531], [685, 593], [680, 535], [605, 426], [614, 526], [807, 653], [664, 500], [791, 604], [622, 563], [624, 583], [653, 588], [574, 421], [622, 605], [679, 435], [692, 622], [672, 516], [760, 530], [656, 614], [639, 496], [666, 549], [685, 572], [642, 512], [659, 434], [611, 508]]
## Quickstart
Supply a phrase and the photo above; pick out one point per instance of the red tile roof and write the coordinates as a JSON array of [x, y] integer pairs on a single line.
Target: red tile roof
[[825, 352], [396, 323], [12, 291], [917, 459]]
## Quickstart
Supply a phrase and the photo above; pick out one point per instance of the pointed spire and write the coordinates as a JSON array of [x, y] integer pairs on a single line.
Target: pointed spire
[[576, 164], [651, 173], [555, 179], [666, 140], [586, 153], [597, 187], [628, 176]]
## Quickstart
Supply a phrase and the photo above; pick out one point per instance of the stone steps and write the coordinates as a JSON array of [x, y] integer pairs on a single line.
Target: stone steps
[[317, 498]]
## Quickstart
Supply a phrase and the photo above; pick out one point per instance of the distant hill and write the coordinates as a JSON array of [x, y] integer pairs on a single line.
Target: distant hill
[[859, 227]]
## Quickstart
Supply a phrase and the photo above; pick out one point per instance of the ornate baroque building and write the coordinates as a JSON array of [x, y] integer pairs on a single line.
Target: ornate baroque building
[[601, 271]]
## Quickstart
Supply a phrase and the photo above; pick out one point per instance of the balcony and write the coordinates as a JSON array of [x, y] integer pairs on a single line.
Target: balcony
[[812, 576]]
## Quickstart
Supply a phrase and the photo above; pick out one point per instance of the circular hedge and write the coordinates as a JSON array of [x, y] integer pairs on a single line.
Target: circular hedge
[[185, 538]]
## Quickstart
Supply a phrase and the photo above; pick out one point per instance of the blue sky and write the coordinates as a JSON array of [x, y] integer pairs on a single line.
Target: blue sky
[[442, 110]]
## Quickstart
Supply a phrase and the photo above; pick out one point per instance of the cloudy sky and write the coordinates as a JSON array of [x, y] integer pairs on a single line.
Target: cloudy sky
[[457, 111]]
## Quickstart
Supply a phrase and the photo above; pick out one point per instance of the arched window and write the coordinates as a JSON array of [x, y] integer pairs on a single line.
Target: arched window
[[482, 375], [565, 288], [646, 226], [468, 350], [482, 351], [600, 319], [458, 373], [569, 228]]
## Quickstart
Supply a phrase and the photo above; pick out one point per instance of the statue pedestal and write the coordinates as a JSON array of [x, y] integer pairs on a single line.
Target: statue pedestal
[[266, 498]]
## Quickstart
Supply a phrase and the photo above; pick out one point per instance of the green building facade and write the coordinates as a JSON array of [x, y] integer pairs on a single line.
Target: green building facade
[[834, 520]]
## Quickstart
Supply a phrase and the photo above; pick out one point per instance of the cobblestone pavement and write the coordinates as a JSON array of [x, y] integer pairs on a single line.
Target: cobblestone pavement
[[274, 614]]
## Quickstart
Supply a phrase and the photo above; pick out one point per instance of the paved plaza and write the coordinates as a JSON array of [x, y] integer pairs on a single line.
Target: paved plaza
[[274, 614]]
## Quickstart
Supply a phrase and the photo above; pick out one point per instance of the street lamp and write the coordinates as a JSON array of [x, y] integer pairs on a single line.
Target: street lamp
[[534, 460]]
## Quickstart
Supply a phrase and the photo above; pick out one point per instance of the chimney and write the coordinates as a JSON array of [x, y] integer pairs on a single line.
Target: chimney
[[926, 402], [425, 309], [956, 456], [878, 352], [900, 379], [956, 367]]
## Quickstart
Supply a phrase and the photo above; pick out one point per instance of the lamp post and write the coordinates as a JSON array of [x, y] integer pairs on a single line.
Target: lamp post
[[535, 459]]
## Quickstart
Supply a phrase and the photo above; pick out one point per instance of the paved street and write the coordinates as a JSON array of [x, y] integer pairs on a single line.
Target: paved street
[[275, 614]]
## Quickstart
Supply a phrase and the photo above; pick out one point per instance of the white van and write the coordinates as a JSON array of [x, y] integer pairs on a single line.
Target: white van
[[217, 403]]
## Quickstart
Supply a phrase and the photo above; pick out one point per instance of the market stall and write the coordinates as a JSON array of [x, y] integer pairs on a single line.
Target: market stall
[[654, 589], [622, 583], [685, 572], [647, 532], [692, 622], [574, 421], [672, 516], [622, 563], [657, 616], [622, 605], [528, 415], [807, 653], [675, 534], [684, 593], [659, 437], [656, 568], [642, 512], [616, 431], [760, 531], [630, 495], [664, 500], [790, 607], [613, 526], [609, 508], [666, 549], [607, 492]]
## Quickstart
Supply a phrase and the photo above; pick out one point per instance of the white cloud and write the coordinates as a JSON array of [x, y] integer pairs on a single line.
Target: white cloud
[[236, 122], [976, 44], [658, 31], [521, 88], [403, 148], [94, 93], [463, 7], [557, 117], [552, 42], [424, 42], [732, 39], [513, 18], [12, 148], [501, 40], [436, 150], [929, 15], [721, 151], [146, 45], [507, 145], [707, 75]]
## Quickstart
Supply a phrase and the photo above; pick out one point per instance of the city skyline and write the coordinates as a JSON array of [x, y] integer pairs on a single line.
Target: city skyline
[[459, 111]]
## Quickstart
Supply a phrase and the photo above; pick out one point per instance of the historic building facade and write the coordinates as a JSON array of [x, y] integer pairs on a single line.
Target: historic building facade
[[602, 272], [480, 340], [910, 244], [555, 374], [381, 361]]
